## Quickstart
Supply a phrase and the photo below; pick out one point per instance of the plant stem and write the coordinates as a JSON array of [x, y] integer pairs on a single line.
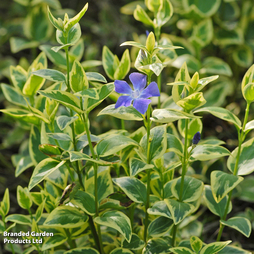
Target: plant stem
[[159, 86], [122, 124], [85, 119], [184, 170], [185, 159], [148, 127], [241, 137]]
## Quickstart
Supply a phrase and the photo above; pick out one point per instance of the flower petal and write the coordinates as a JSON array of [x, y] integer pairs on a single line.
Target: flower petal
[[150, 91], [123, 101], [138, 80], [122, 87], [141, 105]]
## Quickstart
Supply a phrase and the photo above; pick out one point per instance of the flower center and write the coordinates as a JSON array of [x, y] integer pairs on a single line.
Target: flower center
[[135, 94]]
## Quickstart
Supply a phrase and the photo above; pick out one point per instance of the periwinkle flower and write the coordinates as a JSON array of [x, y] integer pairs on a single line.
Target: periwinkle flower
[[139, 95], [196, 138]]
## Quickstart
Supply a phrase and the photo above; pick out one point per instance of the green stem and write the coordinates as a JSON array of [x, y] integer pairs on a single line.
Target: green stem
[[159, 86], [70, 172], [148, 127], [184, 170], [241, 137], [85, 119], [174, 235], [70, 242], [68, 70], [94, 233], [122, 124], [185, 159]]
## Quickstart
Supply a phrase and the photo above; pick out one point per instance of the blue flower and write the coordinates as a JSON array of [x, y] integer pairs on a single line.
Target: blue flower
[[196, 138], [139, 95]]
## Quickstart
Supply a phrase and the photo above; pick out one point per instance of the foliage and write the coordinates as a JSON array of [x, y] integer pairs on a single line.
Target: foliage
[[123, 191]]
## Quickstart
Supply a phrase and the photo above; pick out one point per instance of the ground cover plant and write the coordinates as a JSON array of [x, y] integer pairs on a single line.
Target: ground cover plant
[[155, 183]]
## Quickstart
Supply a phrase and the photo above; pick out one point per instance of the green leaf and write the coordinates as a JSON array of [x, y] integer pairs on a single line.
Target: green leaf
[[222, 113], [82, 250], [178, 210], [196, 243], [23, 198], [243, 56], [215, 65], [192, 101], [241, 224], [202, 33], [60, 136], [174, 145], [50, 150], [78, 79], [58, 58], [248, 77], [140, 15], [248, 92], [34, 141], [247, 188], [19, 219], [22, 115], [134, 44], [200, 9], [64, 121], [160, 208], [84, 201], [18, 76], [208, 152], [222, 183], [150, 42], [17, 44], [5, 204], [125, 113], [216, 208], [103, 92], [135, 244], [105, 185], [159, 226], [169, 115], [194, 126], [158, 143], [71, 22], [164, 14], [88, 93], [192, 63], [73, 35], [181, 250], [212, 248], [124, 66], [168, 189], [233, 249], [13, 96], [225, 37], [137, 166], [65, 217], [117, 220], [121, 251], [42, 170], [23, 164], [113, 144], [95, 76], [67, 99], [58, 24], [156, 246], [51, 242], [246, 160], [192, 188], [108, 62], [36, 26], [52, 75], [133, 188], [205, 81]]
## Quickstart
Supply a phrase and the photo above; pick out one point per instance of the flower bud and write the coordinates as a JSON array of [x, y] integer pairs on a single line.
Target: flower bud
[[196, 138]]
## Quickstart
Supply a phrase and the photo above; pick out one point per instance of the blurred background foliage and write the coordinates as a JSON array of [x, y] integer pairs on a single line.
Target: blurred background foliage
[[217, 37]]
